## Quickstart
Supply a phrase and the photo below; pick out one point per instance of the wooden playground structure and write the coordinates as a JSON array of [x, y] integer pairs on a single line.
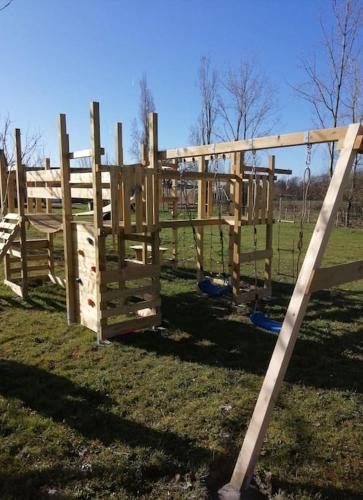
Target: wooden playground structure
[[110, 298], [115, 296]]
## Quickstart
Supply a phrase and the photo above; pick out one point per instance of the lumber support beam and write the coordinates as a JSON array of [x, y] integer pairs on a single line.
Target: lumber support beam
[[276, 141], [327, 277]]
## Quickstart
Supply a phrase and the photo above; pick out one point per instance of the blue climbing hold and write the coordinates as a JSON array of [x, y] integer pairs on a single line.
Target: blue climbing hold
[[262, 321], [206, 286]]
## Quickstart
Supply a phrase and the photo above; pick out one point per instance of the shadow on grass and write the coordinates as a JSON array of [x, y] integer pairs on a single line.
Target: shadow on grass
[[210, 335], [89, 412]]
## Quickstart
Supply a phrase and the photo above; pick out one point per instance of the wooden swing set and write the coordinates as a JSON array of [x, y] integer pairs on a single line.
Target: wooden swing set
[[112, 294]]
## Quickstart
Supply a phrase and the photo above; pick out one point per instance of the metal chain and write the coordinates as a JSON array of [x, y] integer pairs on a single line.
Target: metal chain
[[255, 236], [304, 210]]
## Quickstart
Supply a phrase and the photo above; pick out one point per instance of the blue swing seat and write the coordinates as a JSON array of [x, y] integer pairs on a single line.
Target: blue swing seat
[[262, 321], [206, 286]]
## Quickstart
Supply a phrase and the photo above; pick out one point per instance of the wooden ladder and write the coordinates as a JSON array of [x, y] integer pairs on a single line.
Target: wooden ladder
[[9, 229]]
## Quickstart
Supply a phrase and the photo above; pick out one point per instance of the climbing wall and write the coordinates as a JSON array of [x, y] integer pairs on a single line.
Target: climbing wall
[[85, 274]]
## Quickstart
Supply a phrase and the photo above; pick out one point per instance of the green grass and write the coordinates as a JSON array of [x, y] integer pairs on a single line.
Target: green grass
[[162, 417]]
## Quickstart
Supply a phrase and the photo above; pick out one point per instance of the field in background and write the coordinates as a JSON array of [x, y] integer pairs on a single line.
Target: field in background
[[160, 417]]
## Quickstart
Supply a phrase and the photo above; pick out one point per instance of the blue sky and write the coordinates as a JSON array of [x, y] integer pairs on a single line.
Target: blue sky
[[57, 55]]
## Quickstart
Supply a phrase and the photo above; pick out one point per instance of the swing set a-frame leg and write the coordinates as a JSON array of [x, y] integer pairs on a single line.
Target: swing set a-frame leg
[[281, 356]]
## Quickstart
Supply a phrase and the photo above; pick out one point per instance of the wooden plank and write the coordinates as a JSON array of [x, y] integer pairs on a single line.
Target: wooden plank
[[31, 258], [17, 289], [3, 183], [7, 226], [55, 193], [11, 216], [252, 256], [33, 243], [126, 188], [57, 280], [115, 293], [67, 219], [155, 243], [53, 175], [20, 191], [100, 239], [41, 267], [255, 435], [132, 325], [11, 192], [83, 153], [131, 308], [139, 212], [276, 141], [50, 237], [132, 271], [326, 277], [164, 224], [197, 176]]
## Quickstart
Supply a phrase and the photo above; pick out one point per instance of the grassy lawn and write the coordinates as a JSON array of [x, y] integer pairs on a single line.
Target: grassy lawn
[[163, 416]]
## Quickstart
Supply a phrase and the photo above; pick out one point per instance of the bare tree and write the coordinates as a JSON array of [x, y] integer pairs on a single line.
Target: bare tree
[[354, 107], [140, 125], [203, 130], [31, 144], [327, 84], [6, 4], [248, 104]]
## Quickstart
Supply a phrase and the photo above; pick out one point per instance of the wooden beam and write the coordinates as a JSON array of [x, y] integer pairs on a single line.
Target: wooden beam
[[282, 353], [276, 141], [83, 153], [153, 162], [48, 209], [20, 191], [100, 239], [67, 219], [3, 182], [326, 277]]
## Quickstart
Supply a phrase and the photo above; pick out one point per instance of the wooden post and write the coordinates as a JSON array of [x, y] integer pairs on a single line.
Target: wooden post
[[48, 209], [121, 244], [201, 215], [67, 219], [270, 222], [3, 183], [20, 185], [236, 240], [144, 161], [100, 238], [282, 353], [153, 160], [174, 214]]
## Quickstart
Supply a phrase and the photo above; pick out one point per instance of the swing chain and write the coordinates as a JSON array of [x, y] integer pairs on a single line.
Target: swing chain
[[254, 206], [304, 209]]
